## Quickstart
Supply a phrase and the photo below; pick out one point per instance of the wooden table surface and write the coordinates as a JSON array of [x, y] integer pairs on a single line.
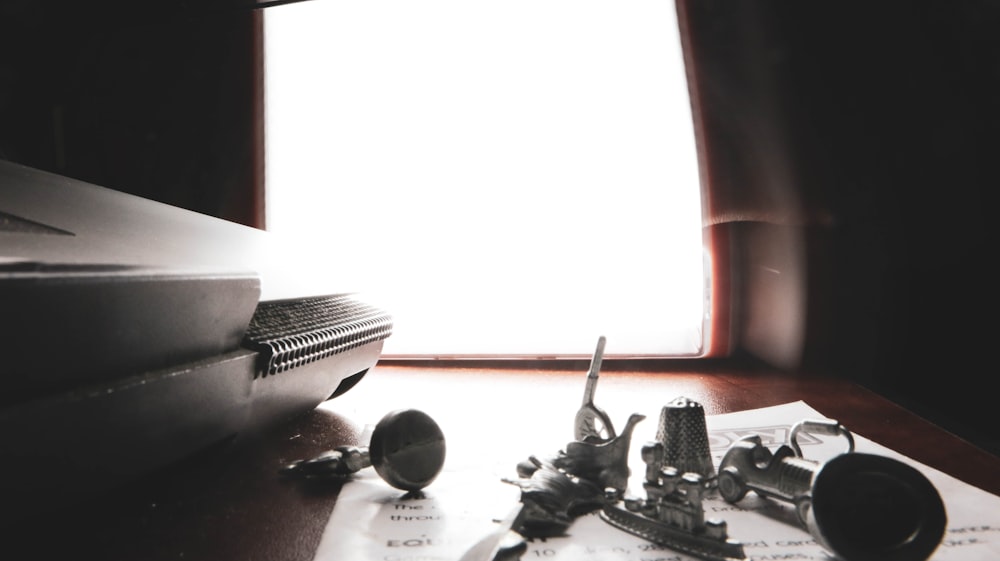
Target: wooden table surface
[[234, 504]]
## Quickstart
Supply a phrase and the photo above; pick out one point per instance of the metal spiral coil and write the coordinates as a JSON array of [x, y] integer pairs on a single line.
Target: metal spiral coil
[[290, 333]]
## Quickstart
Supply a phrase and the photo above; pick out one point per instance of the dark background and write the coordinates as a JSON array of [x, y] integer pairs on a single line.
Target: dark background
[[864, 131], [158, 99], [867, 133]]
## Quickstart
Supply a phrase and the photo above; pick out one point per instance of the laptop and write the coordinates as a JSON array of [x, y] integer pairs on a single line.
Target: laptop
[[137, 334]]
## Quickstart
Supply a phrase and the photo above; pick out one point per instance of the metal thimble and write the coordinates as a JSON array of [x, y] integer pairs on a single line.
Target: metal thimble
[[684, 437]]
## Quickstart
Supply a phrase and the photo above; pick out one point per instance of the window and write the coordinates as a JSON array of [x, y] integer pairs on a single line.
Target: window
[[508, 178]]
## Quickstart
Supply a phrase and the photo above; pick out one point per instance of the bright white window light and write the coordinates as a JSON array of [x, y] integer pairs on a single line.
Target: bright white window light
[[512, 177]]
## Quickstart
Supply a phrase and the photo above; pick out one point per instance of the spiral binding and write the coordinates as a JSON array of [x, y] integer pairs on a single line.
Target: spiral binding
[[290, 333]]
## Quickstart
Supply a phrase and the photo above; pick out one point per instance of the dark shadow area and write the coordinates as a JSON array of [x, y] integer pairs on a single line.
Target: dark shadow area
[[156, 99], [856, 144], [196, 508]]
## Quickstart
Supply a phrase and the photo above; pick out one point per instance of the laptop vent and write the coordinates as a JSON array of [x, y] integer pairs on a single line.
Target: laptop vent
[[290, 333]]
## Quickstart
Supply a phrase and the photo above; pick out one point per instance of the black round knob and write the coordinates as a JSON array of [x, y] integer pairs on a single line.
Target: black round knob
[[873, 508], [407, 449]]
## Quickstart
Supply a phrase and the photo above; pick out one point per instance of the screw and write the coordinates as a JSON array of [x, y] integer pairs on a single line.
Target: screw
[[407, 450]]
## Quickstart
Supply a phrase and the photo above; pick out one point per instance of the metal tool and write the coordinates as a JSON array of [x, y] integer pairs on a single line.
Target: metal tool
[[407, 450], [592, 423], [861, 507]]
